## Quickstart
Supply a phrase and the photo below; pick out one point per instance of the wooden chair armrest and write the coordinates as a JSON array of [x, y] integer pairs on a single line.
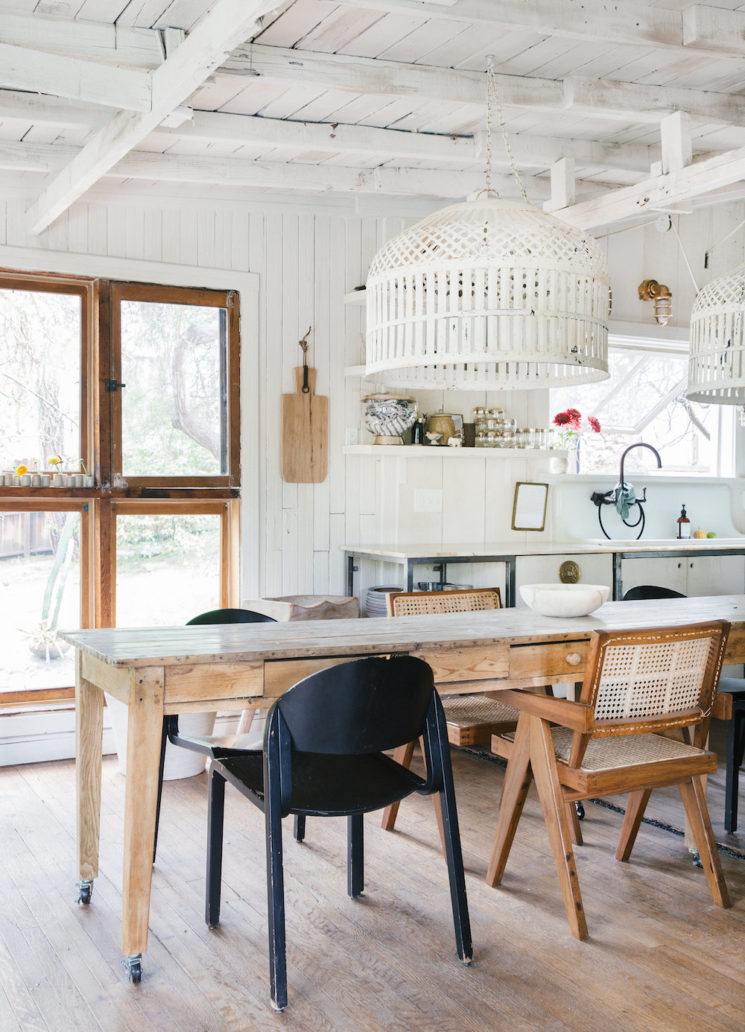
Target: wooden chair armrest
[[574, 715]]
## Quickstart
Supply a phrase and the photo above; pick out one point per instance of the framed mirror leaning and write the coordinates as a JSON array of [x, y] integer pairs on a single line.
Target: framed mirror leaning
[[529, 507]]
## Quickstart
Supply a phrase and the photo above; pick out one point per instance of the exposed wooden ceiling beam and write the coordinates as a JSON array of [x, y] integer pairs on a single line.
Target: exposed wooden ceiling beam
[[279, 175], [699, 27], [657, 192], [628, 102], [389, 144], [93, 81], [41, 109], [87, 40], [220, 30]]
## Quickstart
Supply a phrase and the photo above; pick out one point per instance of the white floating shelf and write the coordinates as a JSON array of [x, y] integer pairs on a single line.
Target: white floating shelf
[[355, 297], [443, 452]]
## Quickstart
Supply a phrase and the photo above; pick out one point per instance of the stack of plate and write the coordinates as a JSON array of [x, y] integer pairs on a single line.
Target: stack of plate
[[375, 602]]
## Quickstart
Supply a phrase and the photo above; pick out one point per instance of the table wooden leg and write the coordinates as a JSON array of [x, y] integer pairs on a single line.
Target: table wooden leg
[[88, 752], [145, 721]]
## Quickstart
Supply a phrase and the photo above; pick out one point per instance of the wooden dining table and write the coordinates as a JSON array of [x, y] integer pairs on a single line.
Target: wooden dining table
[[164, 670]]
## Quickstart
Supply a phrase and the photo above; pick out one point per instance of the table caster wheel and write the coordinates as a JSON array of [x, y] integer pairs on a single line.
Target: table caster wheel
[[133, 966], [580, 811], [85, 891]]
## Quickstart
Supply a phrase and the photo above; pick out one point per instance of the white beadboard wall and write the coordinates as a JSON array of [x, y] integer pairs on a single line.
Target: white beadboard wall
[[307, 257]]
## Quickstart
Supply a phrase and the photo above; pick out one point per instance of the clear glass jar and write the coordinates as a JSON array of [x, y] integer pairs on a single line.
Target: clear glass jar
[[481, 439]]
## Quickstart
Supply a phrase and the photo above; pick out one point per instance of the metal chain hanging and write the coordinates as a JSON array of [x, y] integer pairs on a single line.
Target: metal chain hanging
[[494, 106]]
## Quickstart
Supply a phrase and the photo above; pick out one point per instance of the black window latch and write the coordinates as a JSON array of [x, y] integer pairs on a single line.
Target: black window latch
[[112, 385]]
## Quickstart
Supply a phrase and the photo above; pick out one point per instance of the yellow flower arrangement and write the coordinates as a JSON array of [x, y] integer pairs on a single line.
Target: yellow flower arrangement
[[54, 460], [20, 470]]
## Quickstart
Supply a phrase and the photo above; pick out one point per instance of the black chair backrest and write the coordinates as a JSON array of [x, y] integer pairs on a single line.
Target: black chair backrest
[[226, 616], [644, 591], [364, 706]]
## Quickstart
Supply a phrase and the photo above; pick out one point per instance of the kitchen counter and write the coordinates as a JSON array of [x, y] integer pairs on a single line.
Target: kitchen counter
[[507, 552]]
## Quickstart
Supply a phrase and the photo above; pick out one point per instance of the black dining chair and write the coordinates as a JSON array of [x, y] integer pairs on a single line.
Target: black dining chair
[[324, 756], [204, 744], [734, 687]]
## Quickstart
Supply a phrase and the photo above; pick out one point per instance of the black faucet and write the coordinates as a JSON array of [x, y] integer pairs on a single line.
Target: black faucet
[[639, 444], [611, 497]]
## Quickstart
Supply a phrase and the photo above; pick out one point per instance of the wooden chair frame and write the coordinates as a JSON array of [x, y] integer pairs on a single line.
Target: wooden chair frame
[[532, 754]]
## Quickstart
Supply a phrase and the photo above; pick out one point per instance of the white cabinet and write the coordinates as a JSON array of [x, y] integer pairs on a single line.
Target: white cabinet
[[690, 575], [544, 569]]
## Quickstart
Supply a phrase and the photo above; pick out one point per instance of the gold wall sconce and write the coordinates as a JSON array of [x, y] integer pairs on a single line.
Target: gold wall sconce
[[651, 290]]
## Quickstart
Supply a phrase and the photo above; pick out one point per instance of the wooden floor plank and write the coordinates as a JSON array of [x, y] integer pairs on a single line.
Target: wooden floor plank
[[660, 955]]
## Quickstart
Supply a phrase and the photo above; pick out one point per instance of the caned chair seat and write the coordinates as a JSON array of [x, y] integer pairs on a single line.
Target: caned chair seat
[[473, 719], [638, 686]]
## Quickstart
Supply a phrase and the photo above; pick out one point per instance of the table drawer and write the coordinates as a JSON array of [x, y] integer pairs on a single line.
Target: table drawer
[[470, 663], [565, 660]]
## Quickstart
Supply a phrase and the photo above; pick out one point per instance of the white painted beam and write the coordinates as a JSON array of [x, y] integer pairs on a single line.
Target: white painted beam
[[227, 23], [628, 22], [86, 40], [628, 102], [662, 191], [714, 30], [676, 145], [24, 69], [45, 110], [563, 189]]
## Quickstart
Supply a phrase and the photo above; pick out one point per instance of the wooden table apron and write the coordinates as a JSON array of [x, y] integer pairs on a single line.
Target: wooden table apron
[[176, 669]]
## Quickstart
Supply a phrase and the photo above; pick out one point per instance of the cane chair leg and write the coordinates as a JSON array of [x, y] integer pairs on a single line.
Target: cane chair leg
[[553, 802], [403, 756], [635, 807], [355, 856], [694, 800], [575, 828], [514, 791], [215, 817]]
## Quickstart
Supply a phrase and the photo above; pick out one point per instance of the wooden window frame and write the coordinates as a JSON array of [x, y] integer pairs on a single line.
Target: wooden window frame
[[112, 293]]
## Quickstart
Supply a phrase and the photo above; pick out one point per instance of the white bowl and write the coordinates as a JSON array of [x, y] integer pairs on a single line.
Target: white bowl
[[565, 599]]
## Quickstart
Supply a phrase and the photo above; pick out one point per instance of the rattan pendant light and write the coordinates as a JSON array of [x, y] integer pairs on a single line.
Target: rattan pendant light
[[490, 293], [716, 363]]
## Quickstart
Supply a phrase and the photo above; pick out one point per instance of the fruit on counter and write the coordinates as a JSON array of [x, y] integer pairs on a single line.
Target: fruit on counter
[[698, 534], [711, 534]]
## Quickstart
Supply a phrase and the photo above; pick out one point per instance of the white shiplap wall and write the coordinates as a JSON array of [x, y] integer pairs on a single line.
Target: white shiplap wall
[[306, 259]]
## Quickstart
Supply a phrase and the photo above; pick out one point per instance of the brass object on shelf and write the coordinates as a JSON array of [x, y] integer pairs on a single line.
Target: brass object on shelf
[[569, 572]]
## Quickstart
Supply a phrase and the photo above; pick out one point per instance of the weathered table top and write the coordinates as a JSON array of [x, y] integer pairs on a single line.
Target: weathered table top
[[236, 643]]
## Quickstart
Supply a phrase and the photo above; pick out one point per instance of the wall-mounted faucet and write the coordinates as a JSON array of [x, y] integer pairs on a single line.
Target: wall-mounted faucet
[[623, 495]]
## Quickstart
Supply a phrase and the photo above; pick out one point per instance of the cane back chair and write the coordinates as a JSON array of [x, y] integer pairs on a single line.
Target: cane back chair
[[637, 686], [470, 719]]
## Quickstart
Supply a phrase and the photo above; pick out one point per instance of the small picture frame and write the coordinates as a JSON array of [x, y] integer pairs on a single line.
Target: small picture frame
[[529, 508]]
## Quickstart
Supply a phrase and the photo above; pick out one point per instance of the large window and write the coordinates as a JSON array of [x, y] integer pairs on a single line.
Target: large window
[[644, 400], [138, 386]]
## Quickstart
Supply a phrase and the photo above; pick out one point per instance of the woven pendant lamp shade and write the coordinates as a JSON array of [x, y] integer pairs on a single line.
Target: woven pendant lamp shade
[[488, 293], [716, 363]]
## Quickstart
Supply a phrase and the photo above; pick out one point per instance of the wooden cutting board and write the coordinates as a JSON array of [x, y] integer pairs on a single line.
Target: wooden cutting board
[[305, 419]]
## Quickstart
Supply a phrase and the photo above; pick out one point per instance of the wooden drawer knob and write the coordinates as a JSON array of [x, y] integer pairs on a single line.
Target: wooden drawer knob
[[574, 659]]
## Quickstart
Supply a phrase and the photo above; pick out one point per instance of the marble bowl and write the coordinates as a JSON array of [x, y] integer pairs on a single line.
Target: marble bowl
[[565, 599]]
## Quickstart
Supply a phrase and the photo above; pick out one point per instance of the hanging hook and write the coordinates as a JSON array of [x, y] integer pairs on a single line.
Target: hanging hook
[[303, 342]]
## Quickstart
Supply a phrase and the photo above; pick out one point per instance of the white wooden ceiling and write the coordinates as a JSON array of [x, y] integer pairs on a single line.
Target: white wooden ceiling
[[379, 97]]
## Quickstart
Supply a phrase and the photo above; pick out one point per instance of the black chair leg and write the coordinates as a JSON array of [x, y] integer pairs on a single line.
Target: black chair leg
[[215, 816], [355, 855], [276, 895], [454, 855], [735, 750], [163, 743], [299, 827]]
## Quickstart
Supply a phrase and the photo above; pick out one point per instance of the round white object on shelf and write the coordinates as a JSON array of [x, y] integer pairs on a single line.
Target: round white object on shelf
[[565, 599]]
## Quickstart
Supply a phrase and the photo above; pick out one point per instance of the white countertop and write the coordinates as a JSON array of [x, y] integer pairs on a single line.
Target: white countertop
[[585, 547]]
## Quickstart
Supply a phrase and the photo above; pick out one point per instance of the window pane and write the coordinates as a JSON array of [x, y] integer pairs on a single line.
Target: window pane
[[167, 568], [40, 338], [39, 595], [644, 400], [173, 407]]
